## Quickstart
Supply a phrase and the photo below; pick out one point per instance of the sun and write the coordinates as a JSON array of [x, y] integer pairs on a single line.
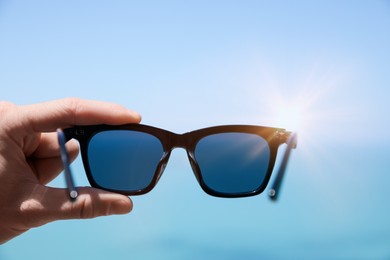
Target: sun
[[290, 115]]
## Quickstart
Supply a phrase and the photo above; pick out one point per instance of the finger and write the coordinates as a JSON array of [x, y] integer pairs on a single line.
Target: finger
[[48, 169], [48, 147], [47, 159], [48, 116], [54, 204], [93, 203]]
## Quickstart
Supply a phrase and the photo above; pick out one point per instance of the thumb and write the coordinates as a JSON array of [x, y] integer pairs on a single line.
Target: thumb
[[90, 203]]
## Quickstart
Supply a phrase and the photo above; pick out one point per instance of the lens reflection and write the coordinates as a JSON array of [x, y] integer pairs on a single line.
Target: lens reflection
[[233, 163], [123, 159]]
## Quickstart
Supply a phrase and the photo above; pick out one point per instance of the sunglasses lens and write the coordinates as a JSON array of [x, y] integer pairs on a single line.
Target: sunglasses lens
[[233, 163], [124, 160]]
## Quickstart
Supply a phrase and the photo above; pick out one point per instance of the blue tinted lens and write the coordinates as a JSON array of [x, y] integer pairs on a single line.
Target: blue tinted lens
[[123, 159], [233, 163]]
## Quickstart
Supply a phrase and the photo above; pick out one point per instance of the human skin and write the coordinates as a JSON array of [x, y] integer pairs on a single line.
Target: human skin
[[30, 158]]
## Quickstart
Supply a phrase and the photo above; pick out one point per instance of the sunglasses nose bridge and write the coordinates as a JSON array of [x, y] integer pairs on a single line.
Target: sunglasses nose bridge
[[179, 141]]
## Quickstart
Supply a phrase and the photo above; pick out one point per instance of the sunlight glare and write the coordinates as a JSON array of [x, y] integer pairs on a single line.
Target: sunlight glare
[[290, 116]]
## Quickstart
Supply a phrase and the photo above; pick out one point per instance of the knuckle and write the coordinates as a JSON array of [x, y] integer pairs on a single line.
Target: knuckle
[[72, 102], [91, 206], [87, 208], [72, 106], [30, 211]]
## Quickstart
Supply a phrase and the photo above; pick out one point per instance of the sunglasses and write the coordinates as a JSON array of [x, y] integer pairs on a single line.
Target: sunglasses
[[228, 161]]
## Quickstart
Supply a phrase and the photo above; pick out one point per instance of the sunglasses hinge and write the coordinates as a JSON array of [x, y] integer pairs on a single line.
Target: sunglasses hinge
[[282, 136]]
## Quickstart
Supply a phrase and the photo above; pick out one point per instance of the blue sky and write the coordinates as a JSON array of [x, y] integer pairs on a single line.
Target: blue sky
[[320, 67]]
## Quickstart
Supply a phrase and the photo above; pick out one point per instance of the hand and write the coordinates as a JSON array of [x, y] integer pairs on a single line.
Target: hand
[[30, 158]]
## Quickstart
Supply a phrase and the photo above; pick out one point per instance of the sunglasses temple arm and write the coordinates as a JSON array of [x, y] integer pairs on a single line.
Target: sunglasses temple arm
[[72, 191], [291, 144]]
